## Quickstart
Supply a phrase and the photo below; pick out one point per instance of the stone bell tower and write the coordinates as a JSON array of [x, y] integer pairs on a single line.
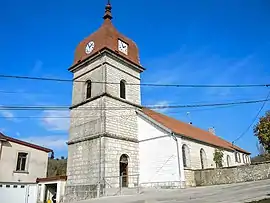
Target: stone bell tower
[[103, 127]]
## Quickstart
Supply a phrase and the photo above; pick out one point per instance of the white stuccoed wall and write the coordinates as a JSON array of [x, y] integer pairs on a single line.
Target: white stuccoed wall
[[158, 157], [195, 162]]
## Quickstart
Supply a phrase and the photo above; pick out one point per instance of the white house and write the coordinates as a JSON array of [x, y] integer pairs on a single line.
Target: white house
[[21, 163]]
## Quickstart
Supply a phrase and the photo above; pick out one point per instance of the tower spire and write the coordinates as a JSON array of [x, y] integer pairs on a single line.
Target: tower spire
[[108, 11]]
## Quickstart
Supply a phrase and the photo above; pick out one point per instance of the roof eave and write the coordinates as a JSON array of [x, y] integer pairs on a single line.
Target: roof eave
[[169, 131], [97, 53]]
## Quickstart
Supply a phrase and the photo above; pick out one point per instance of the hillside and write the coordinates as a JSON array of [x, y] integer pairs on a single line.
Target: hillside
[[57, 167]]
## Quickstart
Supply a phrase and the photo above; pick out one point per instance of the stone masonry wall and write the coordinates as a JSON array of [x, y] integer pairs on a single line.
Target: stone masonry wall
[[114, 148], [117, 72], [96, 74], [235, 174], [123, 121], [83, 162], [189, 178]]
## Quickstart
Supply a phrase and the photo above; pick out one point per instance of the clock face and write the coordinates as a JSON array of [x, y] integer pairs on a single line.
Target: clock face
[[89, 47], [123, 47]]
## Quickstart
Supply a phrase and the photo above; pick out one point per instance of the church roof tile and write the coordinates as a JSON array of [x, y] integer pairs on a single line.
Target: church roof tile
[[106, 36], [190, 131]]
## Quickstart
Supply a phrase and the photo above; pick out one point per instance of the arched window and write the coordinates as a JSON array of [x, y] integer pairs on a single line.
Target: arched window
[[186, 156], [228, 161], [203, 159], [123, 164], [244, 158], [88, 89], [239, 157], [123, 89], [236, 156]]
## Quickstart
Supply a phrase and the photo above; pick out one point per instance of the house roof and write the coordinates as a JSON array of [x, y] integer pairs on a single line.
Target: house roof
[[190, 131], [50, 179], [27, 144]]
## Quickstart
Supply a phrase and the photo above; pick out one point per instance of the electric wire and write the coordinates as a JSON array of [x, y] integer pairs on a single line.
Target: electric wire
[[254, 119], [60, 108], [141, 84]]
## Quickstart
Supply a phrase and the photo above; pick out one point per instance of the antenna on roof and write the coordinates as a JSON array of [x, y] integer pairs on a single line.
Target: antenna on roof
[[188, 115]]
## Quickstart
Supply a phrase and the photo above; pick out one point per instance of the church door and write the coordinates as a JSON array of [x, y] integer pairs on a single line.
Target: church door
[[124, 170]]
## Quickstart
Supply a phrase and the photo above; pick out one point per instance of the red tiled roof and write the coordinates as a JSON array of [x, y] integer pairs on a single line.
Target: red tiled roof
[[10, 139], [39, 180], [106, 37], [190, 131]]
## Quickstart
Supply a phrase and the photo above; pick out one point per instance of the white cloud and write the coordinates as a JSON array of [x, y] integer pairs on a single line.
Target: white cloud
[[162, 104], [55, 120], [54, 142], [8, 115]]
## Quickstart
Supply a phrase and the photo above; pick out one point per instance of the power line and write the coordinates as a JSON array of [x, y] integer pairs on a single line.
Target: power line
[[60, 108], [142, 84], [255, 118], [69, 117]]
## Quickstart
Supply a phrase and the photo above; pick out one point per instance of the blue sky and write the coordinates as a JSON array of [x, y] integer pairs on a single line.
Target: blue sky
[[183, 42]]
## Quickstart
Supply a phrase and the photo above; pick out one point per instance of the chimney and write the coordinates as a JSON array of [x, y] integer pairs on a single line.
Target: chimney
[[212, 130]]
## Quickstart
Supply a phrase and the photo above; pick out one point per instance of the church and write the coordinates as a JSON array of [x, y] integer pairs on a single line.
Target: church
[[116, 142]]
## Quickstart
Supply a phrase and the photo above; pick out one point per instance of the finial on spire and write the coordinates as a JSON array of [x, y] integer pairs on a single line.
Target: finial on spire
[[108, 11]]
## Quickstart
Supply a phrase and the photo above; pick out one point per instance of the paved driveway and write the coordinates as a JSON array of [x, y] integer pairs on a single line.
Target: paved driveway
[[233, 193]]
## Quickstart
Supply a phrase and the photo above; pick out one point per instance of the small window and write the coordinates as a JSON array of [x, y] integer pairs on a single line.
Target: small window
[[21, 161], [123, 89], [7, 186], [15, 186], [236, 157], [185, 154], [22, 186], [203, 159], [88, 89], [1, 185], [239, 157]]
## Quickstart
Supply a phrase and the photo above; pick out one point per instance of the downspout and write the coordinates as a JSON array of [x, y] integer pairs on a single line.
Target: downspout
[[178, 158], [1, 142]]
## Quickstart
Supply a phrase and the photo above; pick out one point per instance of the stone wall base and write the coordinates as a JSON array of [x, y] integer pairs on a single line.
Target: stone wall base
[[164, 185], [75, 193]]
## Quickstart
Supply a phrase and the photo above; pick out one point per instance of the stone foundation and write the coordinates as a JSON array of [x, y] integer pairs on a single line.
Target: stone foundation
[[163, 185], [81, 192], [190, 178], [238, 174]]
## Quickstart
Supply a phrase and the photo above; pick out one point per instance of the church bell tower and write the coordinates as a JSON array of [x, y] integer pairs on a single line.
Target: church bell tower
[[103, 135]]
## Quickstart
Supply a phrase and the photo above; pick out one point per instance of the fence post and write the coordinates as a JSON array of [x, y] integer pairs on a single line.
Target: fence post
[[104, 190], [138, 184], [98, 189], [120, 185]]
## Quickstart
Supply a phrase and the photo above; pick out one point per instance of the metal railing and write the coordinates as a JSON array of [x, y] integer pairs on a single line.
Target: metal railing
[[118, 185]]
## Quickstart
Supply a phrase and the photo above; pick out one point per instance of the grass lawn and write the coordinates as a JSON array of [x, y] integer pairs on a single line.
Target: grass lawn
[[262, 201]]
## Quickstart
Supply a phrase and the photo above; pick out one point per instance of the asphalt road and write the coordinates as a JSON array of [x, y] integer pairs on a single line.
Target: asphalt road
[[233, 193]]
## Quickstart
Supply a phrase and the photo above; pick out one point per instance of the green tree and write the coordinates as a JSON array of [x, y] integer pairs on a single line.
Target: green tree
[[262, 131], [218, 156]]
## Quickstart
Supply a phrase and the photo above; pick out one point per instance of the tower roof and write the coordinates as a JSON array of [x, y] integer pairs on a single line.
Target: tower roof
[[106, 36]]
